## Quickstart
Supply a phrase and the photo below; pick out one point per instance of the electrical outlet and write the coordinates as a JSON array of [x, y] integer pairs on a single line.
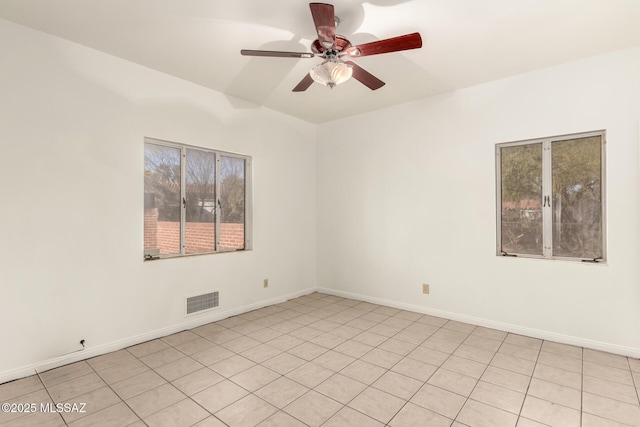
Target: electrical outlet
[[265, 283], [425, 288]]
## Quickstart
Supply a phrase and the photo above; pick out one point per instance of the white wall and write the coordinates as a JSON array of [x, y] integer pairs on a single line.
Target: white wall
[[406, 196], [72, 124]]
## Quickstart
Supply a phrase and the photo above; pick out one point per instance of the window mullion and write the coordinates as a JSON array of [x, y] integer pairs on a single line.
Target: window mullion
[[547, 198], [499, 200], [603, 198], [218, 209], [248, 200], [183, 198]]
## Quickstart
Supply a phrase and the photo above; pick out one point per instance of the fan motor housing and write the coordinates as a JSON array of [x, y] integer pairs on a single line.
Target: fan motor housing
[[341, 44]]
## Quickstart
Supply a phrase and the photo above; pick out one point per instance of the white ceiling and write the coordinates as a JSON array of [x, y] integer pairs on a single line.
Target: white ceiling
[[465, 42]]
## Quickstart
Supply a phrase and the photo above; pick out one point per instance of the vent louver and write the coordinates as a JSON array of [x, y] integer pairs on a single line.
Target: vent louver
[[202, 302]]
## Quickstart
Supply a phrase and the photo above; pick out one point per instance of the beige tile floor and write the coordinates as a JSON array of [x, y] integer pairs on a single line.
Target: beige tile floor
[[320, 360]]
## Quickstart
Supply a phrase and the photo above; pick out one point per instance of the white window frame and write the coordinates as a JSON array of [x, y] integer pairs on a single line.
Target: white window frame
[[248, 197], [547, 213]]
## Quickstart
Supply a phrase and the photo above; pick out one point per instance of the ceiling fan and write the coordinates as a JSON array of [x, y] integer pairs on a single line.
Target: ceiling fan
[[332, 47]]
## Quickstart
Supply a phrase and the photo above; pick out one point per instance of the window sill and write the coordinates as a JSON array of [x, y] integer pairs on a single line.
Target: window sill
[[177, 256], [541, 258]]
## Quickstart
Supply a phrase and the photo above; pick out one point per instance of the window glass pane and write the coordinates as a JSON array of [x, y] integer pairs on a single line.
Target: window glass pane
[[232, 201], [161, 199], [521, 195], [577, 197], [200, 180]]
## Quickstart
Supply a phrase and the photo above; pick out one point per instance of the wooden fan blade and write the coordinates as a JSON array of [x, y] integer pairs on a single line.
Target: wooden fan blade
[[365, 77], [276, 53], [395, 44], [325, 22], [304, 84]]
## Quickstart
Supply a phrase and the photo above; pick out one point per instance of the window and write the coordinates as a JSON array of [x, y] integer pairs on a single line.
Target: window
[[196, 200], [550, 195]]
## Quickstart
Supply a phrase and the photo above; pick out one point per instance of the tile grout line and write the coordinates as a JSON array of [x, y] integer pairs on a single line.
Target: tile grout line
[[526, 393], [343, 405], [317, 308], [252, 393], [390, 370], [167, 381], [309, 361], [440, 366], [334, 373], [581, 385], [205, 366], [114, 392], [479, 378], [49, 394], [633, 378]]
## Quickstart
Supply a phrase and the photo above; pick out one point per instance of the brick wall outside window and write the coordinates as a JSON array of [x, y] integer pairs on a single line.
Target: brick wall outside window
[[200, 236]]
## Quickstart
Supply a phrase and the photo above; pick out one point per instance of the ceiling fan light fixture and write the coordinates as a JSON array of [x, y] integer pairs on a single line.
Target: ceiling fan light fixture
[[331, 72], [331, 46]]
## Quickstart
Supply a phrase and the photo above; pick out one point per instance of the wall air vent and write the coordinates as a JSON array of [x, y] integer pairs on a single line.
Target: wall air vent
[[198, 303]]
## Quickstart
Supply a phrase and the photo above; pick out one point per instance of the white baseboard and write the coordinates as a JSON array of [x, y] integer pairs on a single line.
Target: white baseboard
[[90, 352], [507, 327], [214, 316]]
